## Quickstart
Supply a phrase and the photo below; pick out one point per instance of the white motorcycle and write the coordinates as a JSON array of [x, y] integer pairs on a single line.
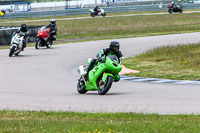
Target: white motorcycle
[[100, 12], [16, 44]]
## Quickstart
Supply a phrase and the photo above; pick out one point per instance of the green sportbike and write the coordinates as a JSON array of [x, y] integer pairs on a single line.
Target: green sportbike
[[101, 77]]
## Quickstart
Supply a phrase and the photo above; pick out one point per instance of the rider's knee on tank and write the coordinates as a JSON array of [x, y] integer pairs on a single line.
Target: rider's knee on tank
[[92, 63]]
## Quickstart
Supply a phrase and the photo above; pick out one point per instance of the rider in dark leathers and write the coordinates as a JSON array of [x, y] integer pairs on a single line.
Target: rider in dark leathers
[[173, 5], [53, 28], [24, 30], [112, 50], [96, 9]]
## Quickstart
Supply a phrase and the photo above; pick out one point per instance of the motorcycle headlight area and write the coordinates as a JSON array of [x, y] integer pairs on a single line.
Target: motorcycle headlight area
[[16, 40]]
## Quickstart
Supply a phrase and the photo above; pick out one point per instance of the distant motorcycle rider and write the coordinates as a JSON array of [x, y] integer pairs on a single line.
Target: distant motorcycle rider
[[53, 28], [24, 30], [112, 50], [173, 4], [96, 9]]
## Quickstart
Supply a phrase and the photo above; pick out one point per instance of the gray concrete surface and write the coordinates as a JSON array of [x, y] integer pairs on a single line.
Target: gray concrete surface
[[46, 79]]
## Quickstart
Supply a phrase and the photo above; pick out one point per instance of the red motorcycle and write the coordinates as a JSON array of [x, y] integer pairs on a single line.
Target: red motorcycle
[[43, 38]]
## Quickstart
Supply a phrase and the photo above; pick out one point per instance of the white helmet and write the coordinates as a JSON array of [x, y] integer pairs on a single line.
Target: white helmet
[[53, 21]]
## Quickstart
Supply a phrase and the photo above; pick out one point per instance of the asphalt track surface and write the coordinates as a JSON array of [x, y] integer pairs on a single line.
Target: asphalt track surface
[[46, 79]]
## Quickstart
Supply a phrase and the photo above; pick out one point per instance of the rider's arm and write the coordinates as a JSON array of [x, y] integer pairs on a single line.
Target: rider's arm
[[54, 31], [119, 55], [18, 30], [47, 26], [26, 37], [101, 54]]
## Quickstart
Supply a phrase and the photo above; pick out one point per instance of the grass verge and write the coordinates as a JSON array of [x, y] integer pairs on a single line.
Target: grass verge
[[180, 62], [121, 27], [57, 122]]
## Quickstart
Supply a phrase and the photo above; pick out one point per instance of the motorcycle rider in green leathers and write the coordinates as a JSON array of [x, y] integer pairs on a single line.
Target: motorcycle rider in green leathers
[[112, 50]]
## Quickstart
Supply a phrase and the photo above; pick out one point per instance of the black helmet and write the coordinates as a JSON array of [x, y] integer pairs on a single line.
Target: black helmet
[[114, 46], [53, 22], [23, 28]]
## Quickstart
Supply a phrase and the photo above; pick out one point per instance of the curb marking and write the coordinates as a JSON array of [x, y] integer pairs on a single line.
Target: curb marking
[[157, 80]]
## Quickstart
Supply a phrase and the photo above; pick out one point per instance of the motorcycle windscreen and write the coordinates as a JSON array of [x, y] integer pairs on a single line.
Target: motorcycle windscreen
[[114, 58]]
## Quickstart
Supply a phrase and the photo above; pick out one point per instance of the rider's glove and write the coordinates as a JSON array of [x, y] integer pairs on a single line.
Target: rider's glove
[[101, 60]]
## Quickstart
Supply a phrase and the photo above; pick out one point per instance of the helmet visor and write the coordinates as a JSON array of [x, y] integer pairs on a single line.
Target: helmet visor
[[116, 48]]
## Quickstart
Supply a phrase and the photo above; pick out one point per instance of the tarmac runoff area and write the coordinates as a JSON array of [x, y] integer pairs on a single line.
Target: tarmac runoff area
[[44, 80]]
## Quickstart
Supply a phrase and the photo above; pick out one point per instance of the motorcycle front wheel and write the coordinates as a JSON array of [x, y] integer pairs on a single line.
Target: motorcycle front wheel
[[81, 86], [104, 14], [92, 14], [38, 44], [12, 50], [104, 87]]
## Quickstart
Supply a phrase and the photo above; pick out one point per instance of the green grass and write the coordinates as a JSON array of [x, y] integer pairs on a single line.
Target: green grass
[[123, 27], [169, 62], [57, 122]]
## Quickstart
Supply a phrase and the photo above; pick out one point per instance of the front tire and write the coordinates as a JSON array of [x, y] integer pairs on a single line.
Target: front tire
[[170, 11], [104, 14], [81, 86], [17, 54], [92, 14], [38, 44], [12, 50], [105, 87]]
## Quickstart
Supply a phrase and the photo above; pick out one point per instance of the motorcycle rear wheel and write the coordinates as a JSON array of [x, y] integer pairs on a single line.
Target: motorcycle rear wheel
[[12, 50], [81, 86], [17, 54], [105, 87], [49, 44]]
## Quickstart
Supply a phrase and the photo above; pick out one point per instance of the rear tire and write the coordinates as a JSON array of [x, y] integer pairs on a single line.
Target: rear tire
[[12, 50], [17, 54], [103, 90], [81, 86], [38, 44], [49, 44]]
